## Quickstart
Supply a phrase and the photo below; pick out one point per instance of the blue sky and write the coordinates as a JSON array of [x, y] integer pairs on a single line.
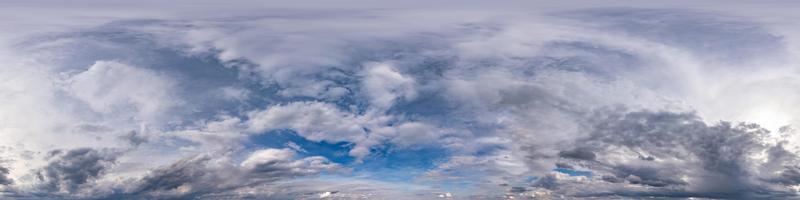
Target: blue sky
[[413, 100]]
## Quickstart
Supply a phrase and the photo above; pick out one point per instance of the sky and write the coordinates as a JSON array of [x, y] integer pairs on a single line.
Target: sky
[[399, 100]]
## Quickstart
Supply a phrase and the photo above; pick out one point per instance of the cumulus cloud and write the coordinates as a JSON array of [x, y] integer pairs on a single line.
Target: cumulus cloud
[[114, 88], [384, 85], [398, 101]]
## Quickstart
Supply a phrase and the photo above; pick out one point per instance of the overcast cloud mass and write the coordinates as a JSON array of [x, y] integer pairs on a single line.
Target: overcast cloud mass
[[399, 100]]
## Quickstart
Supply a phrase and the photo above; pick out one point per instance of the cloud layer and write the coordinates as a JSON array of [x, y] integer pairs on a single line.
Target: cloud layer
[[398, 101]]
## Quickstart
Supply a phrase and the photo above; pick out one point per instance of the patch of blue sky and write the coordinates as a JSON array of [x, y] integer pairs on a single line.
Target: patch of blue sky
[[531, 178], [572, 172], [335, 152], [398, 157], [386, 163]]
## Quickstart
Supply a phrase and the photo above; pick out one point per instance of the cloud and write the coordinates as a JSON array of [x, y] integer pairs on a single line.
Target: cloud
[[336, 187], [315, 121], [318, 121], [650, 100], [112, 88], [202, 175], [135, 138], [71, 171], [581, 154], [4, 179], [789, 176], [687, 158], [384, 85]]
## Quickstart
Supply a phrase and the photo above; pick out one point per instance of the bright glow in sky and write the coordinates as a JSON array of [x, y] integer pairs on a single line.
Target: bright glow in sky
[[412, 100]]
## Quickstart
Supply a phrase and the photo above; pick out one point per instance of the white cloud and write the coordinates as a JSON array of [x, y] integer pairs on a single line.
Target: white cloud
[[117, 89], [317, 121], [385, 85], [314, 120], [266, 156]]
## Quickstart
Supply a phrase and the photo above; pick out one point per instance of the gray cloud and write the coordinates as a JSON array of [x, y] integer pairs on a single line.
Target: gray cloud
[[183, 172], [135, 138], [691, 158], [789, 176], [4, 179], [214, 176], [723, 39], [68, 172], [581, 154]]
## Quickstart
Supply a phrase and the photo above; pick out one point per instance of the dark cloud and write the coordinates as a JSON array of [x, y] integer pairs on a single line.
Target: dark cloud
[[517, 189], [69, 171], [193, 173], [612, 179], [214, 176], [651, 176], [564, 165], [134, 138], [4, 179], [549, 181], [579, 153], [789, 176], [689, 157]]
